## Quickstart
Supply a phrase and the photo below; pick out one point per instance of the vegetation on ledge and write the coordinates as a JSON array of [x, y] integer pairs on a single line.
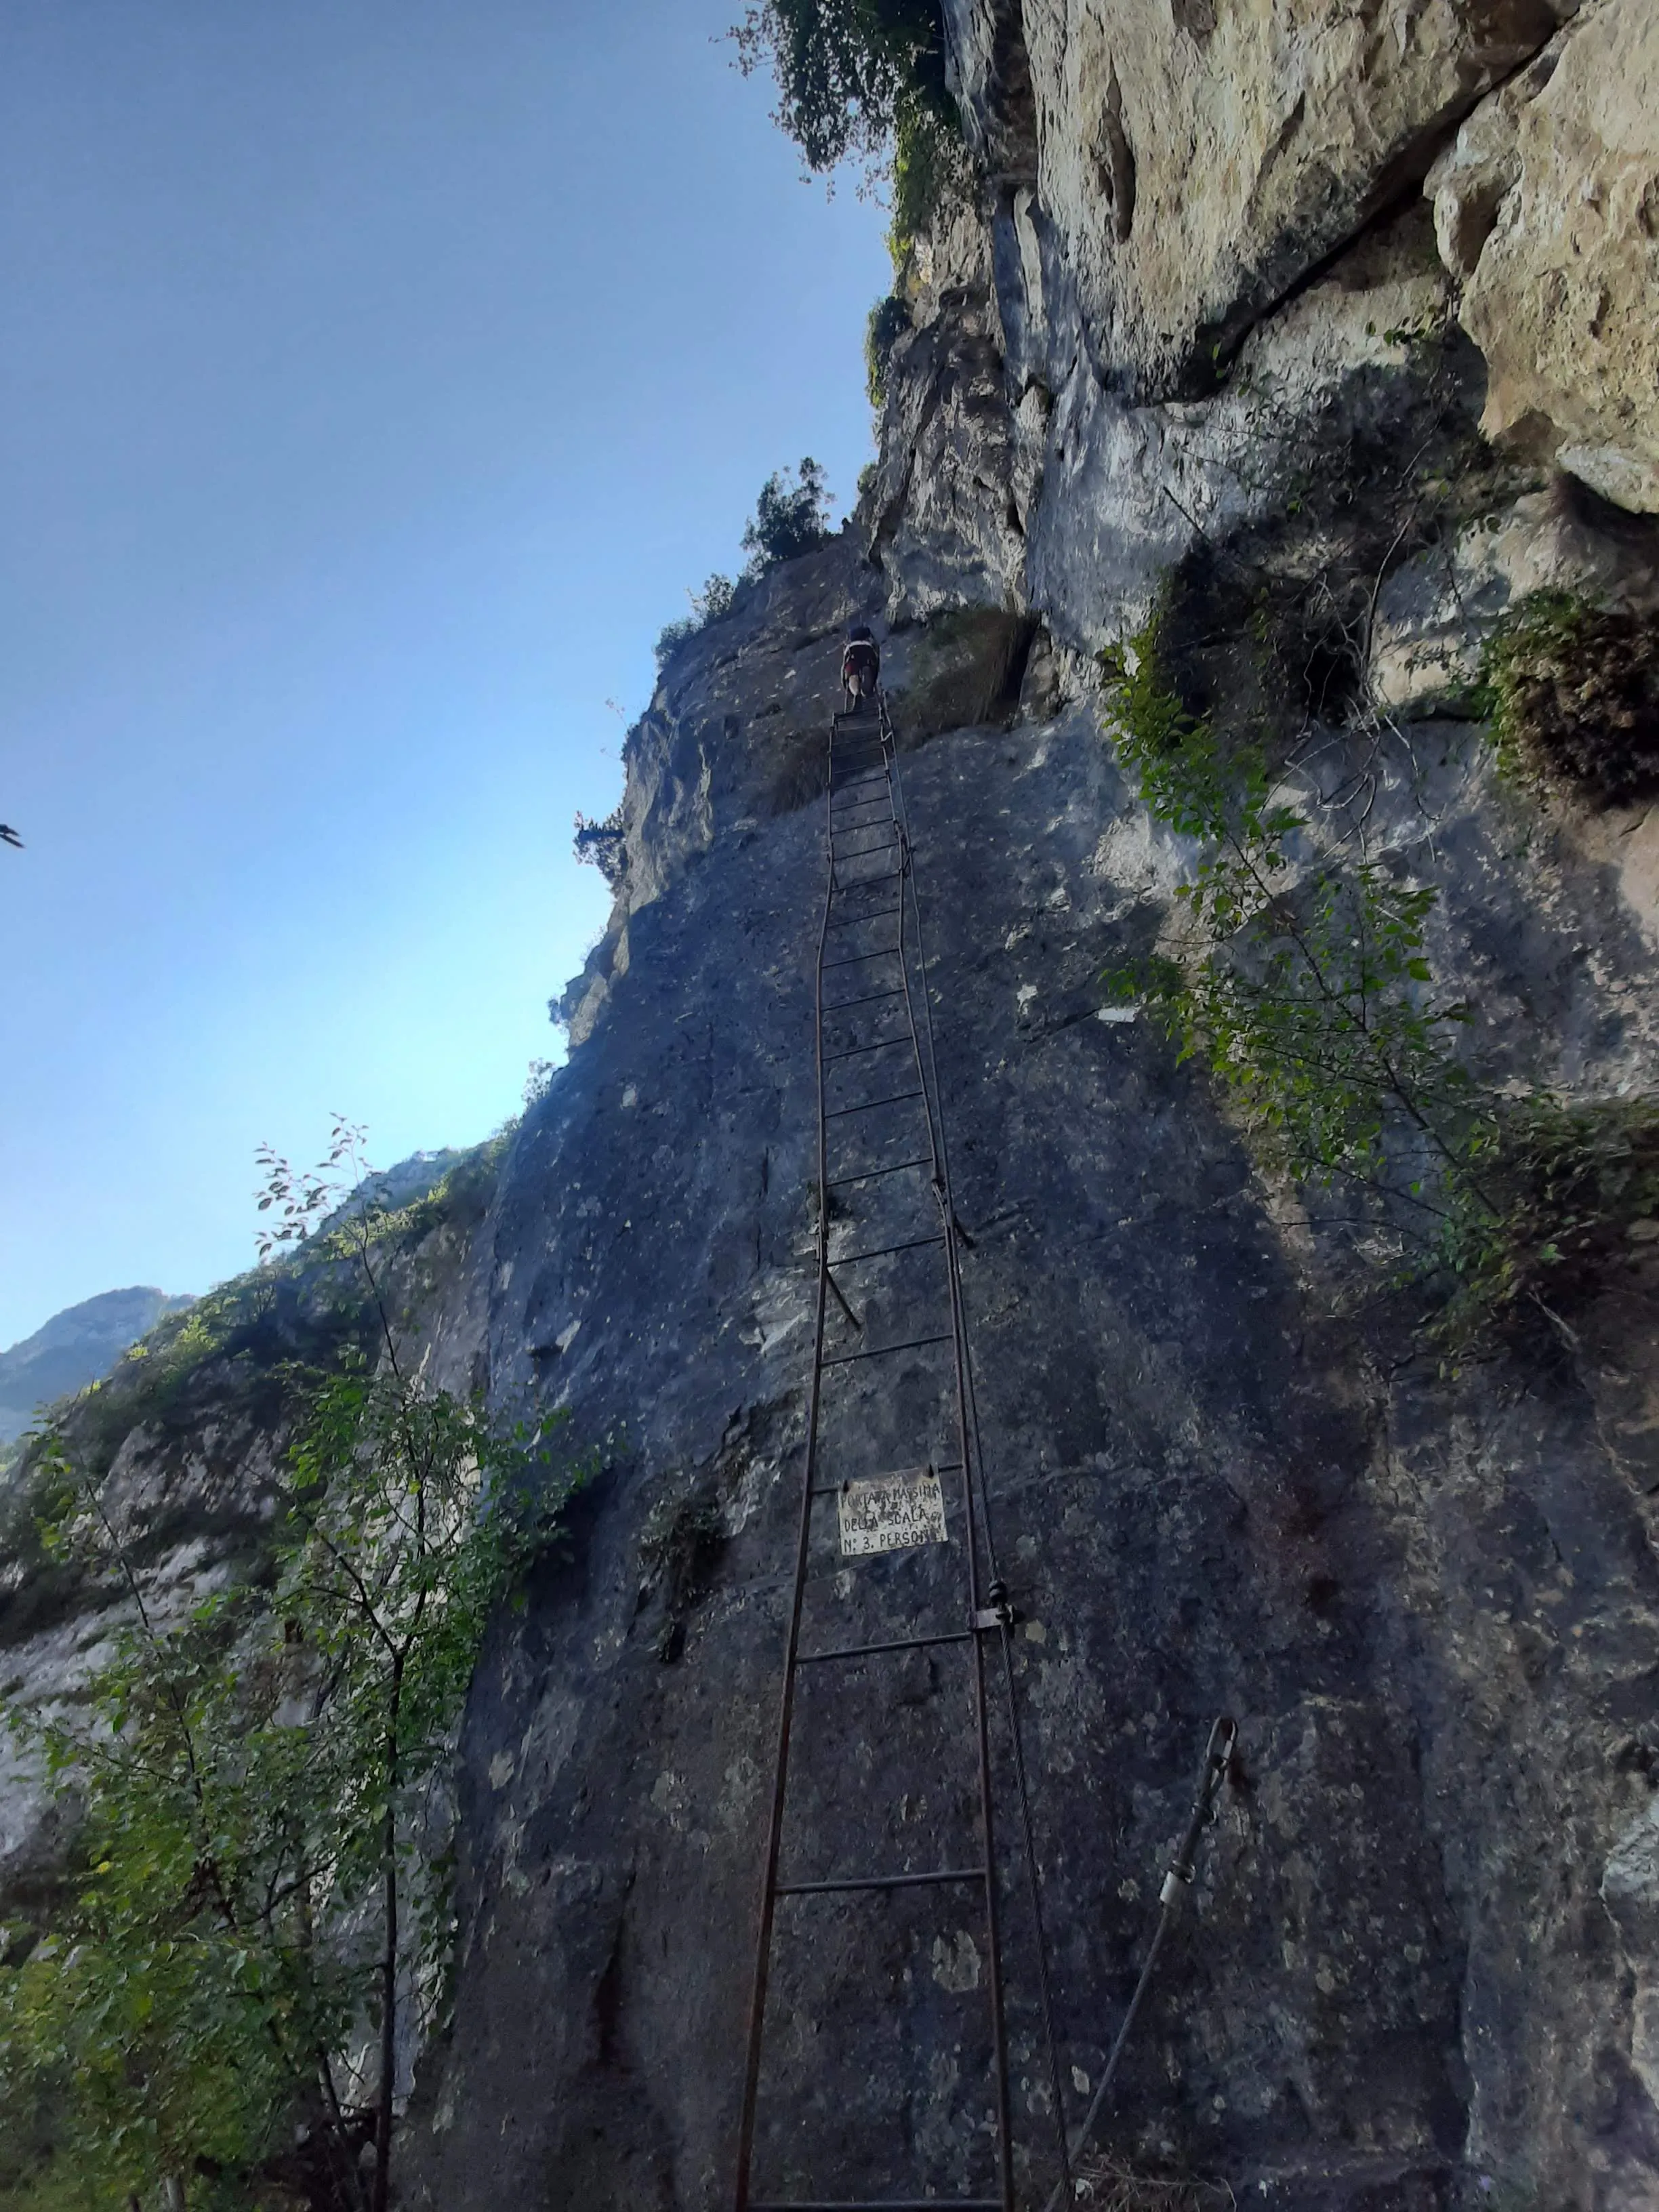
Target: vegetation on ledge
[[1300, 979], [1571, 690]]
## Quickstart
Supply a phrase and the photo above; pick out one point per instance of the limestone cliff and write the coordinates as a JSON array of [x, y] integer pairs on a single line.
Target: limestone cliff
[[72, 1349], [1244, 317]]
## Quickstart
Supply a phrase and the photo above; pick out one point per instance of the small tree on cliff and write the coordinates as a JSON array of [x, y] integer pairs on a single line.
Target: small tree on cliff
[[852, 75], [789, 517], [256, 1774], [865, 81]]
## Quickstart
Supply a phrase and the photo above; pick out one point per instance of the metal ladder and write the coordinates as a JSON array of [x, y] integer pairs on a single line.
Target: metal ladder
[[916, 1572]]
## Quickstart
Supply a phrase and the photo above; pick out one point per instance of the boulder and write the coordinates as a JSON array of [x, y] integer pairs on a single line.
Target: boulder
[[1196, 162], [1547, 208]]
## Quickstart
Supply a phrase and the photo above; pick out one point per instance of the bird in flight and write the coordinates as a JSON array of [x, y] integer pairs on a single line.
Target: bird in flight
[[10, 836]]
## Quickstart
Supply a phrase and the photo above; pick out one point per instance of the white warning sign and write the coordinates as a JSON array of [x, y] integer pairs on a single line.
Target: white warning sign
[[888, 1512]]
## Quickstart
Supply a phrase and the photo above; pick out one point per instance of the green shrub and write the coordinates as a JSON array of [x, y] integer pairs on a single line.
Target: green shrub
[[1572, 689], [848, 72], [1305, 992], [1309, 1005], [930, 167], [254, 1884], [790, 518], [1560, 1184], [600, 844], [889, 320], [711, 605]]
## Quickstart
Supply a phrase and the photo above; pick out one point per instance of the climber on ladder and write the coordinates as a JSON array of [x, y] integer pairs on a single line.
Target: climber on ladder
[[860, 667]]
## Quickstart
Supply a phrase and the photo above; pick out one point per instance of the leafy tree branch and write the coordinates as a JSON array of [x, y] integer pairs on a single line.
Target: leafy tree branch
[[255, 1767]]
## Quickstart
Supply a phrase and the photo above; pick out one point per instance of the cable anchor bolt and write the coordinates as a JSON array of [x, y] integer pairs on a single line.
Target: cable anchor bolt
[[1218, 1757], [1000, 1612]]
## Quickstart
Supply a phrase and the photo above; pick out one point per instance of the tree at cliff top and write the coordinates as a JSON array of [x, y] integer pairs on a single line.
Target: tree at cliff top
[[789, 519], [863, 80], [255, 1909], [850, 73]]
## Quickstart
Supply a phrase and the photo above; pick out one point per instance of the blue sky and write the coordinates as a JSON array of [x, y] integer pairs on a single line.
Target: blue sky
[[375, 377]]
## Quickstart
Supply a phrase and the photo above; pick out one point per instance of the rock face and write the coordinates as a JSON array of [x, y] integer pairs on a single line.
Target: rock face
[[1547, 208], [1193, 162], [1421, 1968], [74, 1348], [1404, 1987]]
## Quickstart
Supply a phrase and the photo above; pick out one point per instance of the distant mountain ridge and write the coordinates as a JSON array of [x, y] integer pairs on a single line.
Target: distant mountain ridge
[[74, 1348]]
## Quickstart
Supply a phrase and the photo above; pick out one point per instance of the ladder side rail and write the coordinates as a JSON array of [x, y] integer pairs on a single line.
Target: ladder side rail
[[937, 1161], [981, 1732], [786, 1705], [969, 1400]]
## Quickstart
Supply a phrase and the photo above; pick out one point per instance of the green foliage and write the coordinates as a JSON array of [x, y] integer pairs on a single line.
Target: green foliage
[[930, 168], [865, 81], [1306, 998], [1572, 689], [176, 2012], [255, 1771], [716, 600], [601, 844], [711, 605], [790, 518], [1306, 992], [889, 320], [1560, 1184], [849, 73]]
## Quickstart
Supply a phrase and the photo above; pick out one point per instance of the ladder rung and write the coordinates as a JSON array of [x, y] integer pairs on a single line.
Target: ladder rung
[[869, 998], [854, 1052], [881, 952], [869, 1105], [874, 1174], [876, 1350], [898, 1643], [858, 805], [882, 1251], [886, 846], [833, 1489], [854, 921], [881, 1881]]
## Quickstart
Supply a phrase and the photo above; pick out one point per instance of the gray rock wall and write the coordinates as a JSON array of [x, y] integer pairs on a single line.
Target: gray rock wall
[[1196, 340], [1432, 1604], [1420, 1969]]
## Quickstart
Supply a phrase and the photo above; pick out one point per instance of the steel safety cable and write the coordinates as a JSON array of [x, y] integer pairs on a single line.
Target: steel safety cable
[[1218, 1757]]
